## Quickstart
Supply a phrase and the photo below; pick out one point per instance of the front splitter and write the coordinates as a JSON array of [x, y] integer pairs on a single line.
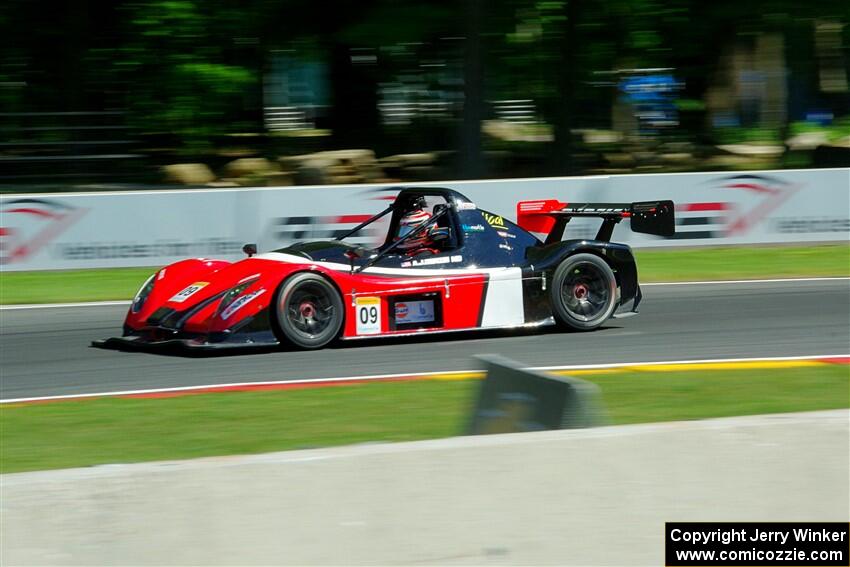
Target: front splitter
[[137, 343]]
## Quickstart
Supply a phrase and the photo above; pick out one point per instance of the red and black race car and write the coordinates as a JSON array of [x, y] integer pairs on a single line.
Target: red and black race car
[[479, 271]]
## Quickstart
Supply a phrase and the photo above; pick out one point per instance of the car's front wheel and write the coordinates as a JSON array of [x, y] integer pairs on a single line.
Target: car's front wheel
[[583, 292], [308, 311]]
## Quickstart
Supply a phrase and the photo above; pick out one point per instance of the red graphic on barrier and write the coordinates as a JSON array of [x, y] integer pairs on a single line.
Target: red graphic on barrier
[[30, 224], [295, 228], [775, 191], [763, 194]]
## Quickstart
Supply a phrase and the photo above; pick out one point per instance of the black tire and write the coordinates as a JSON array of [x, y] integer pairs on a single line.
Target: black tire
[[583, 292], [308, 311]]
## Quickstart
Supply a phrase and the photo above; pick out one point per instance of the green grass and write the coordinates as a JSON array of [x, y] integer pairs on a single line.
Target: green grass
[[64, 286], [123, 430], [743, 262], [654, 265]]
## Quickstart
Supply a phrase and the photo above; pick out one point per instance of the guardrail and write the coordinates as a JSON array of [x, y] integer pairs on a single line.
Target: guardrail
[[147, 228], [62, 146]]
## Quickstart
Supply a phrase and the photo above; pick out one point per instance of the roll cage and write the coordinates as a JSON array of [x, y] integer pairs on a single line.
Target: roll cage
[[444, 216]]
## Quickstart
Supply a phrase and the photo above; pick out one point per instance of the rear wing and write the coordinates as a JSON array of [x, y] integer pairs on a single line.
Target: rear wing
[[551, 216]]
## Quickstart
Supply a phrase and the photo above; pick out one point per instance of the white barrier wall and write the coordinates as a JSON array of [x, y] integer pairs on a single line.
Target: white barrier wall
[[151, 228]]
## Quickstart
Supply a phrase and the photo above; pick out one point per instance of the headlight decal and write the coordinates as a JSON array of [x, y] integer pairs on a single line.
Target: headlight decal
[[233, 294], [142, 295], [241, 302]]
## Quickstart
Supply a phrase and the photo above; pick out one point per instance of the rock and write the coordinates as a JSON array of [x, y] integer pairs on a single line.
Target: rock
[[620, 160], [601, 137], [677, 158], [188, 173], [807, 140], [356, 157], [347, 180], [752, 150], [738, 163], [420, 173], [313, 171], [337, 170], [279, 179], [411, 160], [248, 166], [334, 167], [842, 142]]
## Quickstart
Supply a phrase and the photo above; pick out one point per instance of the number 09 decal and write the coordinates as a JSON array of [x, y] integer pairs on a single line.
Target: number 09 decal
[[367, 312]]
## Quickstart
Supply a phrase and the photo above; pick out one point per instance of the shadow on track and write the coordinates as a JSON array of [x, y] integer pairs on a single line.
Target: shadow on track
[[361, 344]]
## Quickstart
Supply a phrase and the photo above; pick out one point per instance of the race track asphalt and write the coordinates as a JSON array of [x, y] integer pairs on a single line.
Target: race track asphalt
[[46, 351]]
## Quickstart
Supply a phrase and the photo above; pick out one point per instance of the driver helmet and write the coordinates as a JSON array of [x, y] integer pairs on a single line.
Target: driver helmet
[[409, 221]]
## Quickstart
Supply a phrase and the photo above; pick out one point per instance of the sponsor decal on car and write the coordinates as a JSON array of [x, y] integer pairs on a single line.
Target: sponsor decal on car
[[505, 234], [241, 302], [465, 206], [495, 221], [473, 227], [414, 312], [400, 311], [188, 292], [433, 261]]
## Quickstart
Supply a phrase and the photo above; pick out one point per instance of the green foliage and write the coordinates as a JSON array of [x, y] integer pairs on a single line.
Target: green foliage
[[840, 128], [193, 81], [392, 23], [755, 135], [192, 70]]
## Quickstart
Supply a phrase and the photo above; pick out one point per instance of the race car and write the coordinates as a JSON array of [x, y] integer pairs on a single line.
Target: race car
[[456, 268]]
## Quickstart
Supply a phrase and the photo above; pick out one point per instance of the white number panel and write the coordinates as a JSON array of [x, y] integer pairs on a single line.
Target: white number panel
[[367, 311], [189, 292]]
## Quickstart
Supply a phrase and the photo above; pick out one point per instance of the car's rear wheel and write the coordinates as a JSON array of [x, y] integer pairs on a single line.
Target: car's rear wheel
[[308, 311], [583, 292]]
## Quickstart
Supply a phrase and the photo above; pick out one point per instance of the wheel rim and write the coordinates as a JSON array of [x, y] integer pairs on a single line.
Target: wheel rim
[[308, 310], [586, 292]]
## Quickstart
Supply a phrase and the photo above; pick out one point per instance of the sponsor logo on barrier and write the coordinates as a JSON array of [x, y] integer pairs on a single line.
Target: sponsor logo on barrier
[[212, 247], [30, 224], [300, 228], [807, 225]]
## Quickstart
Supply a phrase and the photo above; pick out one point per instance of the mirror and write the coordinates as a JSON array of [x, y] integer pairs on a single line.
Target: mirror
[[250, 249]]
